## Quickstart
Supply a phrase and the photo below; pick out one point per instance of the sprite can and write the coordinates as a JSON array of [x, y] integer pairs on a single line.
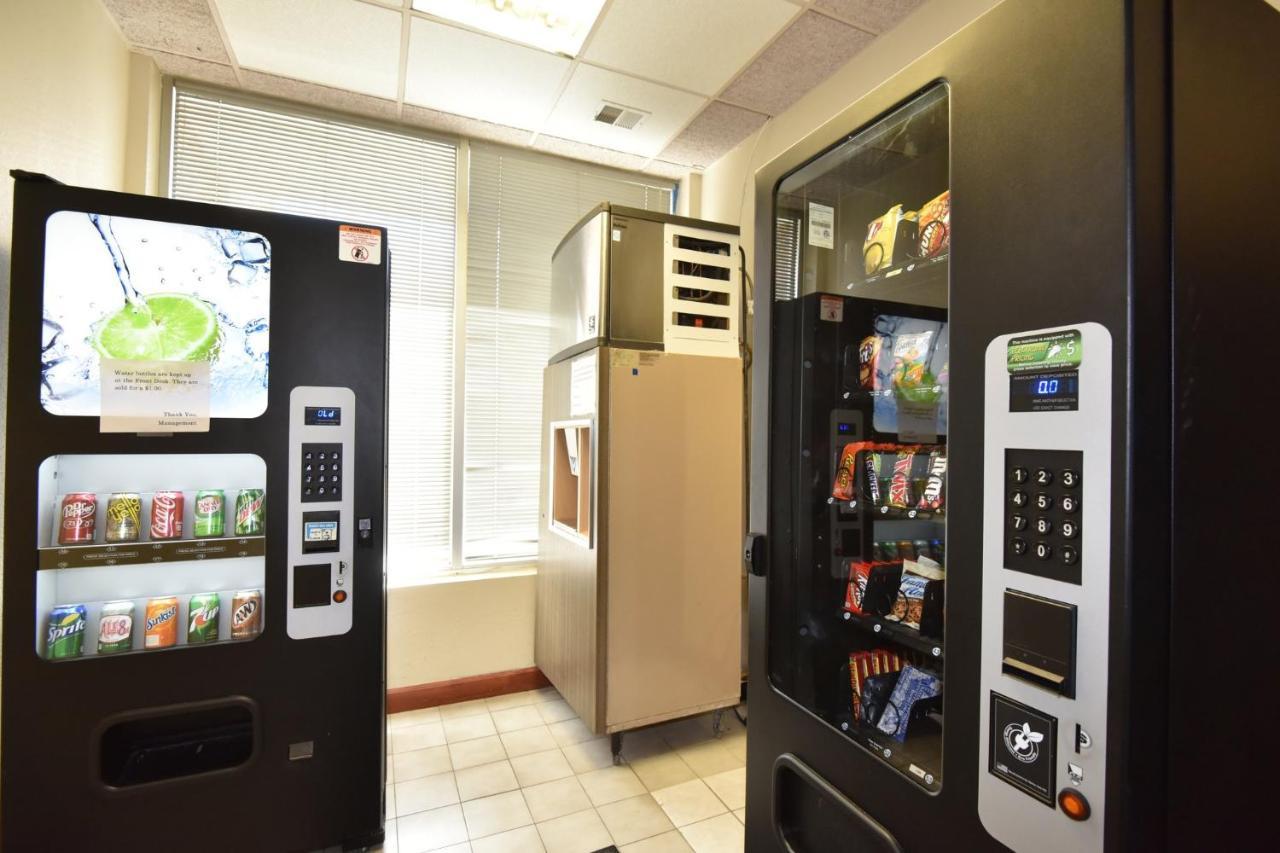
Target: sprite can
[[65, 638], [115, 627], [210, 514], [202, 618], [251, 517]]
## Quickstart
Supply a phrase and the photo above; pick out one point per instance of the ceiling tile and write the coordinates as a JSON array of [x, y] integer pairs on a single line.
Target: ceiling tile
[[473, 75], [802, 57], [340, 43], [316, 95], [876, 15], [589, 153], [717, 128], [193, 69], [663, 169], [184, 27], [693, 44], [574, 115], [463, 126]]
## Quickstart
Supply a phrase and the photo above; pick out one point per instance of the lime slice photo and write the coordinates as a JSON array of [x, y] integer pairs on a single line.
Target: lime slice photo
[[180, 328]]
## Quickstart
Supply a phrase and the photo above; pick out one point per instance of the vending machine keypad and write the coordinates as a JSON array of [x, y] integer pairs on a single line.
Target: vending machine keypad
[[321, 473], [1042, 517]]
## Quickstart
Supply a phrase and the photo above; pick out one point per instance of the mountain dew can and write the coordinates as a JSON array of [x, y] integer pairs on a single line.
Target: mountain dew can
[[251, 516], [210, 514], [202, 618]]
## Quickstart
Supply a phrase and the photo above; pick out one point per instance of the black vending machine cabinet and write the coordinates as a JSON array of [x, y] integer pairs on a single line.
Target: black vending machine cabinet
[[983, 572], [194, 621]]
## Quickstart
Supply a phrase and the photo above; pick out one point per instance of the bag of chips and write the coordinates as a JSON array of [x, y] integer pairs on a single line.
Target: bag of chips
[[913, 686], [935, 226], [889, 237]]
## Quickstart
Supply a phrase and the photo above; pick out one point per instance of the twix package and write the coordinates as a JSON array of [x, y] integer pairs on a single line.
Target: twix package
[[845, 486]]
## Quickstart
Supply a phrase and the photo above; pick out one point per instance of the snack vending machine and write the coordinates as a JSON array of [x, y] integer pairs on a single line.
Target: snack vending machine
[[979, 599], [194, 505]]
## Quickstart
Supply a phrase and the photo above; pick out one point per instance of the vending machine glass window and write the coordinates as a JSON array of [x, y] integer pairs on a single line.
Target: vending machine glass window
[[142, 553], [859, 418]]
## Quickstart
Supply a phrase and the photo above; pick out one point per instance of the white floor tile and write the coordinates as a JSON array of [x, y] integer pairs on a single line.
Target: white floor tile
[[571, 731], [741, 815], [464, 847], [514, 719], [548, 694], [554, 712], [413, 718], [707, 758], [389, 800], [468, 728], [421, 762], [662, 771], [485, 780], [431, 830], [429, 792], [730, 787], [541, 767], [634, 818], [417, 737], [721, 834], [527, 741], [667, 842], [472, 753], [689, 802], [581, 832], [522, 840], [555, 799], [464, 709], [499, 813], [589, 755], [512, 700], [610, 785]]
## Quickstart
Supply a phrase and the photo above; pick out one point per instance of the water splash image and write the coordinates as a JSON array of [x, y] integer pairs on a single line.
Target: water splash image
[[96, 266]]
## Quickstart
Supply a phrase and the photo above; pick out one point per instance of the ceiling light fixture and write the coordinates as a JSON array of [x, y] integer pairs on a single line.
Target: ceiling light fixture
[[557, 26]]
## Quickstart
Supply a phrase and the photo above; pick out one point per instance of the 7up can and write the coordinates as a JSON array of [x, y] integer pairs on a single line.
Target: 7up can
[[210, 514], [65, 638], [250, 512], [202, 618]]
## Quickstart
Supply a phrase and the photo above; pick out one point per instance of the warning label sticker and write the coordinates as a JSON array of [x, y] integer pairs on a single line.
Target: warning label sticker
[[358, 245]]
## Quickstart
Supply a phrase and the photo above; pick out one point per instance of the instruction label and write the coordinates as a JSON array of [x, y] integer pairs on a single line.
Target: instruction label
[[359, 245], [822, 226], [154, 396]]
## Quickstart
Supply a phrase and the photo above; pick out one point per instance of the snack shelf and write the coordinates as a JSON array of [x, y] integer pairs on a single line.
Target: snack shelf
[[141, 553], [901, 634], [918, 758], [917, 270]]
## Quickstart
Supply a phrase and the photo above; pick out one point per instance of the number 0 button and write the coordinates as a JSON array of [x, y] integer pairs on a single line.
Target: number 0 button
[[1044, 550], [1070, 479], [1069, 529]]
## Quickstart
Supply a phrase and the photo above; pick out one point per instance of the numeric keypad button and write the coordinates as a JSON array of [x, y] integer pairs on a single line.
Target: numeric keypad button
[[1044, 502], [1069, 504], [1069, 555], [1043, 476], [1018, 475], [1069, 529], [1044, 526], [1018, 546], [1019, 522], [1043, 550], [1018, 499], [1070, 479]]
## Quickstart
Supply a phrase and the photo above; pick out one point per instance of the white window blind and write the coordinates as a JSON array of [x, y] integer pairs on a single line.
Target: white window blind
[[236, 152], [520, 206]]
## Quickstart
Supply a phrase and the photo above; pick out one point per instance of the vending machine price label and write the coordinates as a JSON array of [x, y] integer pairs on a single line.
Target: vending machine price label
[[154, 396]]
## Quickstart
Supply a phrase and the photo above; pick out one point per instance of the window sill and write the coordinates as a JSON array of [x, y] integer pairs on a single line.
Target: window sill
[[402, 579]]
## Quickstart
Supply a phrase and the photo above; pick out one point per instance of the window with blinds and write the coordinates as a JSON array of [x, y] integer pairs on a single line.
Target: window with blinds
[[520, 206], [236, 152]]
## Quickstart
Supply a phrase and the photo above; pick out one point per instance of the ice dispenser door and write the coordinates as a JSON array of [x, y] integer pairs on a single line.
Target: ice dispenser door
[[1046, 566], [322, 526]]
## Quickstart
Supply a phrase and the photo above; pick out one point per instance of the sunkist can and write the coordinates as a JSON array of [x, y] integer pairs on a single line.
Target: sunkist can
[[115, 627], [65, 638], [246, 614], [250, 512], [166, 515], [124, 517], [77, 518], [161, 625], [210, 514], [202, 618]]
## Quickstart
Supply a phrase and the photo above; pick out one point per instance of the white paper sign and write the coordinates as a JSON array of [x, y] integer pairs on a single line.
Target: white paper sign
[[917, 421], [359, 245], [582, 385], [154, 396], [822, 225]]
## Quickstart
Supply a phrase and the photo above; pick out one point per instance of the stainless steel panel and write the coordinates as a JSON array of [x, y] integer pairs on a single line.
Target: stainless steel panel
[[635, 281], [577, 285]]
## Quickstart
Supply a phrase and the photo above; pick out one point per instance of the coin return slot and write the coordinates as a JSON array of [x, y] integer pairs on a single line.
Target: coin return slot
[[1040, 642], [155, 747]]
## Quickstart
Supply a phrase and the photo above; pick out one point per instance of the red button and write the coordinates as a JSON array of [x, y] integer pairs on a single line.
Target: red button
[[340, 596], [1073, 804]]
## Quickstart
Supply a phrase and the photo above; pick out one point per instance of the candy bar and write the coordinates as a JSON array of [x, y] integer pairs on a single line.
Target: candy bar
[[932, 495]]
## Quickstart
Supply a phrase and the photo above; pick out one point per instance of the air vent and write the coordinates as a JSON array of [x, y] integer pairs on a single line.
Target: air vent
[[619, 116]]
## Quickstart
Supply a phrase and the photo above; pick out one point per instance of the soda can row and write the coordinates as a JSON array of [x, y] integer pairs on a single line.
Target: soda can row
[[79, 510], [116, 623]]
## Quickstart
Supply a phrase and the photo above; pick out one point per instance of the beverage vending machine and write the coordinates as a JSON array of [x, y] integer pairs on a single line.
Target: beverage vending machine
[[987, 582], [194, 611]]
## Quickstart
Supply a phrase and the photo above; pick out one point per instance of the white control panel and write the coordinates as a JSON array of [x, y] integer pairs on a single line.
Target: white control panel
[[1046, 589], [322, 530]]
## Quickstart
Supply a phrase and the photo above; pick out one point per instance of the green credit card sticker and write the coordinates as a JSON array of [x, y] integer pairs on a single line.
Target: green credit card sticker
[[1038, 353]]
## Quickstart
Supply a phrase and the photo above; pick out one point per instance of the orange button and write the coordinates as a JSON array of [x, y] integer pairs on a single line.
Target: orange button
[[1073, 804], [341, 596]]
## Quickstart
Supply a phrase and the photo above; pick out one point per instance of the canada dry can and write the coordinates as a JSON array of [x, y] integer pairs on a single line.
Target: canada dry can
[[202, 618], [76, 523], [210, 514], [166, 515], [115, 627], [161, 628], [124, 517], [246, 614], [250, 512], [65, 638]]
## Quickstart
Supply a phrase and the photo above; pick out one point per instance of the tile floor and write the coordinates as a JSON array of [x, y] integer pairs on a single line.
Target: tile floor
[[522, 773]]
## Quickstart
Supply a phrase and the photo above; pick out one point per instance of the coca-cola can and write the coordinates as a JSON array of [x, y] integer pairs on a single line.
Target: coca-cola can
[[166, 515], [77, 518]]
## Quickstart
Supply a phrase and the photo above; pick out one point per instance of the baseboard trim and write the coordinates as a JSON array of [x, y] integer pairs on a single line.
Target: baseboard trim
[[417, 696]]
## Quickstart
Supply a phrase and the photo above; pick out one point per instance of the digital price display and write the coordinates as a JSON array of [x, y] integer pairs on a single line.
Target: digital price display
[[1045, 392], [845, 429], [322, 416], [320, 531]]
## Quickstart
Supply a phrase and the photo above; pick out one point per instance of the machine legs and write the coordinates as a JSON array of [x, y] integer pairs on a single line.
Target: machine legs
[[615, 745]]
